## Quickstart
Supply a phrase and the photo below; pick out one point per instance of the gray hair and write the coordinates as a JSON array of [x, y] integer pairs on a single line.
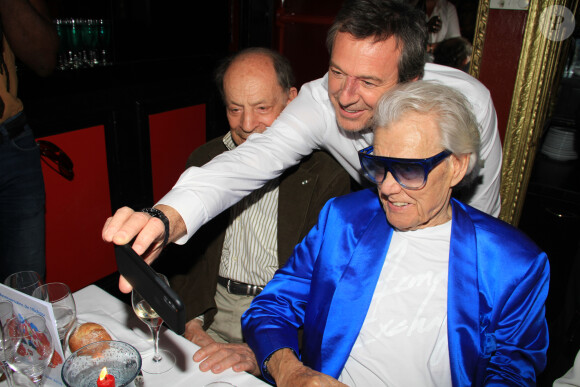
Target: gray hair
[[380, 20], [457, 124], [281, 64]]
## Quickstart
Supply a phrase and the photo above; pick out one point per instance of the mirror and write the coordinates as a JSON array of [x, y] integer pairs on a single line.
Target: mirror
[[538, 75]]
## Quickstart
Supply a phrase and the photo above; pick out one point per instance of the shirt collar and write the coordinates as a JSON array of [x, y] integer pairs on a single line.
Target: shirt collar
[[228, 141]]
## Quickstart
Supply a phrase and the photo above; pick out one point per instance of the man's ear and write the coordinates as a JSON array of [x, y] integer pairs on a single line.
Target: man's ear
[[292, 93], [460, 164]]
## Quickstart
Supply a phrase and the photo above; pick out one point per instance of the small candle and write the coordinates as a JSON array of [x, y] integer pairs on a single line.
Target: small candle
[[105, 379]]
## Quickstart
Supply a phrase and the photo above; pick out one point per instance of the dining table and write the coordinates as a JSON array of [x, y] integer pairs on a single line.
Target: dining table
[[94, 304]]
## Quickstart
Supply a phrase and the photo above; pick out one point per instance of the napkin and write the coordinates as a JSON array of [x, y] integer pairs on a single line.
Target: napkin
[[118, 330]]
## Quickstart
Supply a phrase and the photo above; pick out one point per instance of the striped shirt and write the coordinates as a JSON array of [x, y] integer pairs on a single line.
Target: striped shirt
[[250, 250]]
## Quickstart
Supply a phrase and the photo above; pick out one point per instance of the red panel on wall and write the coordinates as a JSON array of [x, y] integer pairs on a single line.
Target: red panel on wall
[[174, 135], [301, 26], [501, 54], [76, 211]]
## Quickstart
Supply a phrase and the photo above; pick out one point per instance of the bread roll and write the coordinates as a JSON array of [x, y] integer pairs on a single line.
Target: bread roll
[[85, 334]]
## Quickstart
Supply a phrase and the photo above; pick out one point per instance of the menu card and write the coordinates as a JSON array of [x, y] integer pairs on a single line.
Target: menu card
[[26, 306]]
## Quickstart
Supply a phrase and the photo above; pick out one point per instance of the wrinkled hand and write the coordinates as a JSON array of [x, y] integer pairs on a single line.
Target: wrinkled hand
[[218, 357], [127, 224], [307, 377], [195, 333], [434, 24], [288, 371]]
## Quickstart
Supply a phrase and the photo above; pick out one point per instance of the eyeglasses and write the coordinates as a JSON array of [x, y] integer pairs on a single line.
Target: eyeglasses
[[56, 159], [409, 173]]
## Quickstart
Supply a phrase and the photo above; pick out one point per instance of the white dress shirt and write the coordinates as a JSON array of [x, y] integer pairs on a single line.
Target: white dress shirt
[[309, 123]]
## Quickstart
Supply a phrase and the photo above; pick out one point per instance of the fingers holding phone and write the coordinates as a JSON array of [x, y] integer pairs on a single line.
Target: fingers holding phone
[[126, 225]]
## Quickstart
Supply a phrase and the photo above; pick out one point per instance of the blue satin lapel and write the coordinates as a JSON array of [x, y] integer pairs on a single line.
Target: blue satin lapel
[[463, 299], [353, 294]]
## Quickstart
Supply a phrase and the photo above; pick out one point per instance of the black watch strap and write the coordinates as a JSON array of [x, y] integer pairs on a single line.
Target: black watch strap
[[154, 212]]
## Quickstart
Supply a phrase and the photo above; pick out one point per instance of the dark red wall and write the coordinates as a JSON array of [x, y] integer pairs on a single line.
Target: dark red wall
[[501, 54], [76, 211], [174, 135]]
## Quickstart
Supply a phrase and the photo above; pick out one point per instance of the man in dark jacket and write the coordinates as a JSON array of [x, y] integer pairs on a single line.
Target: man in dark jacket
[[237, 253]]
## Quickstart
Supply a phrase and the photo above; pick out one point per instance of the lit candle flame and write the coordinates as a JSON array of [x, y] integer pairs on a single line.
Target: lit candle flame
[[103, 374]]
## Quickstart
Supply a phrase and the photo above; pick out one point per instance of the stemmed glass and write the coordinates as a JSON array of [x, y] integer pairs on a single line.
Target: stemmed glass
[[6, 314], [161, 361], [24, 281], [32, 347], [63, 305]]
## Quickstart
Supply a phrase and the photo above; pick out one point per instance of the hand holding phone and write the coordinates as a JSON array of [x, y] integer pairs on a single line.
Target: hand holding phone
[[151, 287]]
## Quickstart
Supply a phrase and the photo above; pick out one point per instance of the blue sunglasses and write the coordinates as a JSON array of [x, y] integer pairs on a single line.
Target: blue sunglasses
[[409, 173]]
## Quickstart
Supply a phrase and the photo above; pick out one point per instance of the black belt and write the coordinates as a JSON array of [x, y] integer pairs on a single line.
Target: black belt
[[14, 128], [239, 288]]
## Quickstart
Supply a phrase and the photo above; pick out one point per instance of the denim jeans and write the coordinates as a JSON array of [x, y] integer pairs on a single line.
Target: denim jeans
[[22, 199]]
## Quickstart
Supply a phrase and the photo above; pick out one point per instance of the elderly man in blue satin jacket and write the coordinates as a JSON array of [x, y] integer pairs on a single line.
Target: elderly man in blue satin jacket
[[435, 293]]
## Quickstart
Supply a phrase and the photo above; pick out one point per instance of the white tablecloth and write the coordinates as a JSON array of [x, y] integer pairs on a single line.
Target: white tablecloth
[[120, 319], [95, 305]]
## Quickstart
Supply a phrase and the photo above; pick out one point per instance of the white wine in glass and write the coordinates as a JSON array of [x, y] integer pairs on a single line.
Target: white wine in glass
[[161, 361]]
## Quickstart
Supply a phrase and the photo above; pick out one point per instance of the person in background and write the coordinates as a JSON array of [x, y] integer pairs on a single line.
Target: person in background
[[442, 23], [401, 285], [454, 52], [237, 253], [374, 45], [26, 32]]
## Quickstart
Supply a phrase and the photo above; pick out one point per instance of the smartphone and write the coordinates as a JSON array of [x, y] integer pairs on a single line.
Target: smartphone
[[153, 289]]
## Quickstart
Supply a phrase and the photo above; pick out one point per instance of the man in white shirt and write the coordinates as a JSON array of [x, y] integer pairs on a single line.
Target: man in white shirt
[[374, 44], [448, 23]]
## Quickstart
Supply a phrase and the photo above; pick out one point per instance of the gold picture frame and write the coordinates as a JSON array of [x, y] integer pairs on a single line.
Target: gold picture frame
[[538, 75]]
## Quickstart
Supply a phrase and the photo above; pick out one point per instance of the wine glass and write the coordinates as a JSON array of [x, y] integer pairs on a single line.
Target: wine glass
[[24, 281], [6, 314], [32, 346], [161, 361], [63, 305]]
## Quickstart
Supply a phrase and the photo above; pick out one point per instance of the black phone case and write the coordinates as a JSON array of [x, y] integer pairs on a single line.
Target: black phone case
[[153, 289]]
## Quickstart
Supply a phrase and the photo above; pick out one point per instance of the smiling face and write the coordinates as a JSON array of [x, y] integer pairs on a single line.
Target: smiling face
[[253, 96], [416, 135], [360, 71]]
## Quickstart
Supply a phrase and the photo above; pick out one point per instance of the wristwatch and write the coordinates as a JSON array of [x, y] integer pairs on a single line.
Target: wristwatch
[[154, 212]]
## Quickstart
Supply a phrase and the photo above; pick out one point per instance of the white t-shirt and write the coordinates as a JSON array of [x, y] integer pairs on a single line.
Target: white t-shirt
[[403, 340], [572, 377], [309, 123]]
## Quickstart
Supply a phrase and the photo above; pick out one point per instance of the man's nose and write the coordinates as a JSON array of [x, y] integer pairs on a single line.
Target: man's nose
[[389, 186], [248, 122], [348, 93]]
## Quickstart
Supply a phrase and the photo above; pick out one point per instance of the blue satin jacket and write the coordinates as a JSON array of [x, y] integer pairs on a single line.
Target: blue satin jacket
[[497, 286]]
